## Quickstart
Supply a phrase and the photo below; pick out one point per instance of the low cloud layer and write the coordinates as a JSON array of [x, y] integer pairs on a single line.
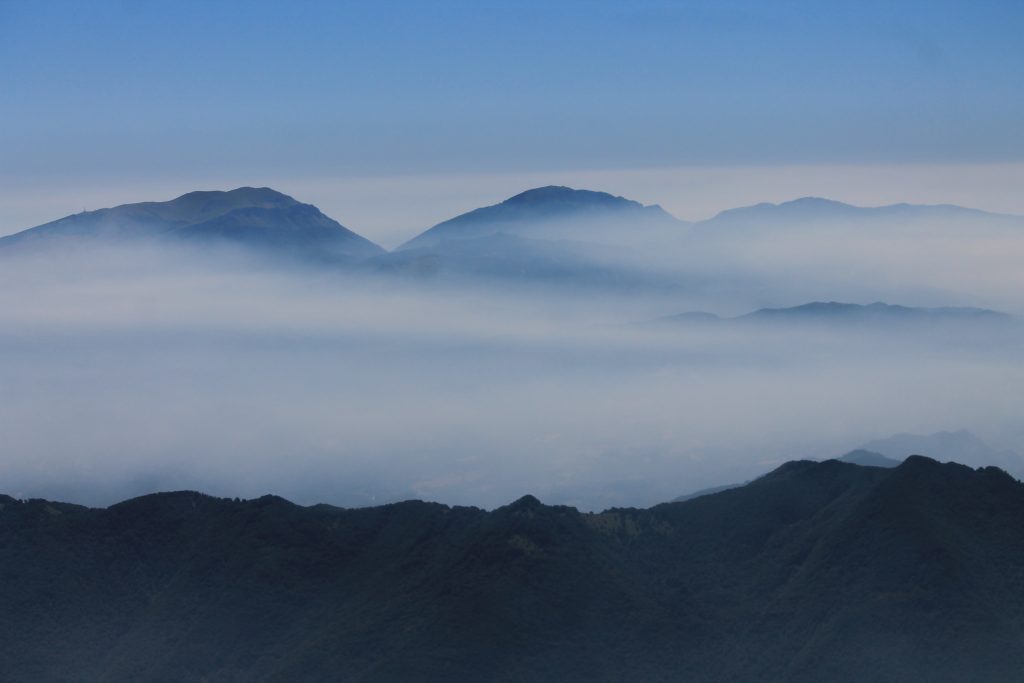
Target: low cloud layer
[[127, 372]]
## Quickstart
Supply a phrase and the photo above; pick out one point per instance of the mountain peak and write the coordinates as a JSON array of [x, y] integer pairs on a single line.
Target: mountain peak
[[240, 196], [867, 458], [560, 194], [258, 217], [802, 208], [245, 191], [527, 502], [549, 212], [814, 202]]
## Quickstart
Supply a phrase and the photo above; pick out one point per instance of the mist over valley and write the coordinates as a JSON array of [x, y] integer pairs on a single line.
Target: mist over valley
[[215, 343]]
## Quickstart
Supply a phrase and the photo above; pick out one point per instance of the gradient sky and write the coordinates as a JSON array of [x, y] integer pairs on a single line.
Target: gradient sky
[[104, 99]]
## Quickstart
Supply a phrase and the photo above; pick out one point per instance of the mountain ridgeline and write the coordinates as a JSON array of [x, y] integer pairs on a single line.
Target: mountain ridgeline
[[546, 213], [543, 235], [248, 217], [817, 210], [547, 236], [817, 571], [839, 313]]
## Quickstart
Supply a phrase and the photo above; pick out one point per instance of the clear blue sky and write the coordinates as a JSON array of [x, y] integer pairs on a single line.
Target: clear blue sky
[[136, 87]]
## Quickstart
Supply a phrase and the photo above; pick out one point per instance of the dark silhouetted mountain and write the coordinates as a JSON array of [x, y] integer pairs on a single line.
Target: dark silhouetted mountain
[[818, 571], [857, 457], [548, 213], [247, 217], [868, 459], [961, 446]]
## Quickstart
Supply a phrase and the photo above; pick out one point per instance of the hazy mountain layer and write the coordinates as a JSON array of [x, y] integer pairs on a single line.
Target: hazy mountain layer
[[867, 458], [819, 210], [246, 217], [816, 572], [843, 313]]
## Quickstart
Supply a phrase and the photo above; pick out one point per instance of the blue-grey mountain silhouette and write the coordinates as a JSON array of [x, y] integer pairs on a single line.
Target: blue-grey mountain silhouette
[[837, 313], [247, 217], [546, 235], [547, 213], [818, 210], [868, 458]]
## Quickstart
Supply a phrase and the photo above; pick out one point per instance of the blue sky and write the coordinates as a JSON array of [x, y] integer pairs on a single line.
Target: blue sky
[[116, 91]]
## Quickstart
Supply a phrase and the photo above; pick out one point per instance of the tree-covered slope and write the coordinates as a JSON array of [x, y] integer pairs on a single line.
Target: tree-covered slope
[[815, 572]]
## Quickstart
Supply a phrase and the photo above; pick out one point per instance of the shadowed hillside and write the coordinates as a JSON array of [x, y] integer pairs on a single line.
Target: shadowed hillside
[[816, 572]]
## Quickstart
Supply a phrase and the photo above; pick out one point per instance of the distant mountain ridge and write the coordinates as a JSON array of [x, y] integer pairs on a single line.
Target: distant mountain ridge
[[859, 456], [837, 312], [246, 217], [792, 577], [263, 217], [806, 209], [876, 311], [866, 458], [545, 236], [960, 445]]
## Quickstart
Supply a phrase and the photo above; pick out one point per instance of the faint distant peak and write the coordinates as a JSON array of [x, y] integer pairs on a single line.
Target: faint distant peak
[[878, 309], [820, 208], [803, 206], [867, 458], [814, 203], [837, 312]]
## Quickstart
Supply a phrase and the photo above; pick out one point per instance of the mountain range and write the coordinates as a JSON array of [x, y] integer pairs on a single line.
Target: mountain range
[[566, 230], [834, 312], [823, 211], [818, 571], [961, 446], [858, 456]]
